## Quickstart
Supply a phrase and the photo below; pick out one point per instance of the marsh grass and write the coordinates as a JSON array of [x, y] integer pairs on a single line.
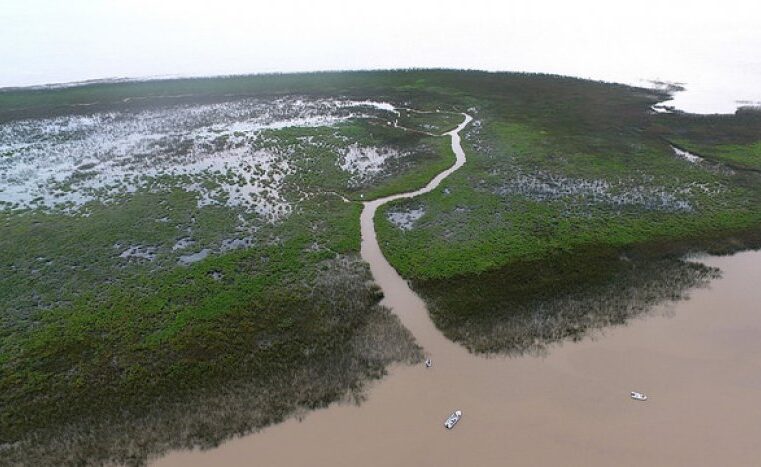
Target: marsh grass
[[358, 341], [435, 122], [556, 165], [527, 308], [167, 317], [732, 140]]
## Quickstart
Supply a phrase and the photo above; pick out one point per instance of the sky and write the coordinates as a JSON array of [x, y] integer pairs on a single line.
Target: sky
[[712, 47]]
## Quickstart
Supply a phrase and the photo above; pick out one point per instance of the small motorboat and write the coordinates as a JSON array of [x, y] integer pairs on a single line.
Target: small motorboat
[[428, 363], [453, 419], [638, 396]]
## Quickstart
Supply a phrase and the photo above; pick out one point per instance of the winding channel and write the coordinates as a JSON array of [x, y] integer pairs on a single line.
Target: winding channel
[[570, 407], [398, 296]]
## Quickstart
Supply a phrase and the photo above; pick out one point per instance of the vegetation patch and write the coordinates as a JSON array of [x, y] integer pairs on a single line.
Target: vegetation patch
[[530, 306], [202, 378]]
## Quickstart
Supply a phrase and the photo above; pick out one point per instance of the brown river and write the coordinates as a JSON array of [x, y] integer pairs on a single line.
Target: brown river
[[698, 360]]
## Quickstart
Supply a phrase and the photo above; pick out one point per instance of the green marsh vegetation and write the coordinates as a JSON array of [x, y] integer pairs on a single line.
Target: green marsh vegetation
[[432, 121], [732, 140], [206, 283], [194, 285], [520, 248], [526, 307]]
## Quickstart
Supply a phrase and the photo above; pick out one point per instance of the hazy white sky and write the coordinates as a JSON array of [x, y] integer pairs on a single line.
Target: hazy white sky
[[715, 47]]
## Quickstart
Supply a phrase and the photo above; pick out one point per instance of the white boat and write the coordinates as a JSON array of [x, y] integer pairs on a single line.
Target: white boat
[[638, 396], [453, 419], [428, 363]]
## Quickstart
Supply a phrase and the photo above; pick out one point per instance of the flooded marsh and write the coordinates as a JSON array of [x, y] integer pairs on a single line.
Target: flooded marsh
[[190, 255]]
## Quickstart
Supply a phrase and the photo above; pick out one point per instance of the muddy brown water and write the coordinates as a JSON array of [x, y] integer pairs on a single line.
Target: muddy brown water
[[698, 360]]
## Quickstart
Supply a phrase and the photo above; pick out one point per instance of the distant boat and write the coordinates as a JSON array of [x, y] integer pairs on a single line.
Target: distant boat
[[453, 419], [428, 363], [638, 396]]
